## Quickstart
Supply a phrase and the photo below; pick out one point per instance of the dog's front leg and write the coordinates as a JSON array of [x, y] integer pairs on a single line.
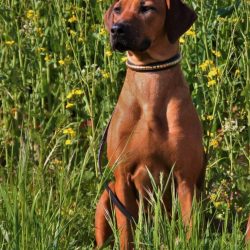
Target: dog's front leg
[[185, 192], [103, 211], [126, 194]]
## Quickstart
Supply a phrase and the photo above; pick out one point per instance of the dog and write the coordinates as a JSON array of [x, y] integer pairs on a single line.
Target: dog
[[155, 126]]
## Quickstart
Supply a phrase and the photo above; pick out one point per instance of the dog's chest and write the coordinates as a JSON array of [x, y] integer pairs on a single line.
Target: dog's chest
[[139, 130]]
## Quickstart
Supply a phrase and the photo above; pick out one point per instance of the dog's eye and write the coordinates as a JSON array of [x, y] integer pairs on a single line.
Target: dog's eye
[[117, 10], [144, 9]]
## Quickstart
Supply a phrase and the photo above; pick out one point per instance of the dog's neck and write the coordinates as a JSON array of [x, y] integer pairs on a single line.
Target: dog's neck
[[158, 52]]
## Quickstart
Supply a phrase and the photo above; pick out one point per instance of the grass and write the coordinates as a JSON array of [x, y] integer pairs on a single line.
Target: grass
[[59, 83]]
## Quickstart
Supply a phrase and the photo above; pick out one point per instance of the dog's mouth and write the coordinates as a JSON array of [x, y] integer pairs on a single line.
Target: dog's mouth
[[121, 44]]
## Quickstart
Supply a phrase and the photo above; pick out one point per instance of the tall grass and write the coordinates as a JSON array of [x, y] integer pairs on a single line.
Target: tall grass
[[59, 82]]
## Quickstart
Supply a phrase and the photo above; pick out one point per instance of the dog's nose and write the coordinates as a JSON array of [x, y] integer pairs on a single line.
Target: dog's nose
[[117, 29]]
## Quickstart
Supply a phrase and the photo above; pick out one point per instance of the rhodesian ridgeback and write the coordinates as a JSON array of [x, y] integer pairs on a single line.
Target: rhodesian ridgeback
[[154, 127]]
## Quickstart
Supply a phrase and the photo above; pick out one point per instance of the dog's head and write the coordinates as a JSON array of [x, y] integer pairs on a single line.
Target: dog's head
[[135, 24]]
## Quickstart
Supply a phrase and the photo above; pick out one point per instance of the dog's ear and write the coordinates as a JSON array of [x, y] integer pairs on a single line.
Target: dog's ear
[[108, 17], [179, 19]]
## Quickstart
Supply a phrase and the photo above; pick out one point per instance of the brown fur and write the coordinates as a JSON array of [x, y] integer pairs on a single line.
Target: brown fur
[[155, 125]]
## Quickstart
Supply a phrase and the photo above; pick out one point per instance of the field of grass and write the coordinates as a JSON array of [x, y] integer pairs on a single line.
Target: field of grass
[[59, 82]]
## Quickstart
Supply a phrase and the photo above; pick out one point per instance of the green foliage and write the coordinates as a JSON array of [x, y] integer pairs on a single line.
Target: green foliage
[[59, 82]]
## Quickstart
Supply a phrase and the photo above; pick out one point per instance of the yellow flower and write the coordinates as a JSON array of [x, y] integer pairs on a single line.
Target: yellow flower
[[210, 134], [69, 95], [216, 53], [213, 197], [239, 209], [47, 58], [69, 131], [209, 62], [105, 75], [41, 49], [61, 62], [39, 31], [74, 92], [205, 64], [72, 33], [68, 142], [102, 31], [210, 117], [78, 92], [211, 83], [31, 15], [124, 59], [214, 143], [72, 19], [213, 72], [56, 161], [70, 105], [182, 40], [191, 32], [108, 53], [217, 204], [10, 42]]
